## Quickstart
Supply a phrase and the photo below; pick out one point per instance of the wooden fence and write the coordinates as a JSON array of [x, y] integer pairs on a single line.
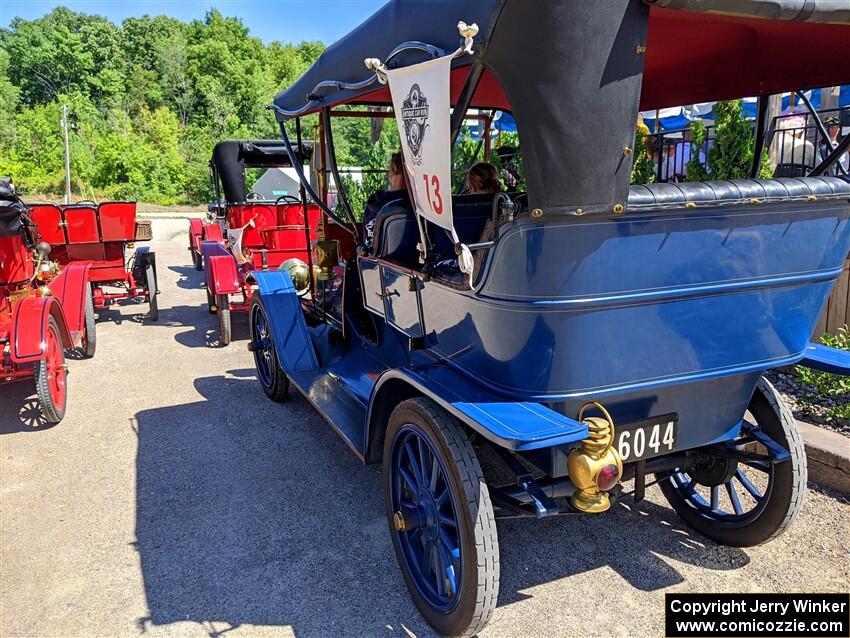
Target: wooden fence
[[837, 311]]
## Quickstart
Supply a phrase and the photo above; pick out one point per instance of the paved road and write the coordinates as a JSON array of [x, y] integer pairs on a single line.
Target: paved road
[[176, 500]]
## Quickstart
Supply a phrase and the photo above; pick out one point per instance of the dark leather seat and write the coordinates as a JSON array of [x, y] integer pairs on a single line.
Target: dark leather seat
[[791, 170], [396, 234], [737, 191], [11, 209], [469, 213]]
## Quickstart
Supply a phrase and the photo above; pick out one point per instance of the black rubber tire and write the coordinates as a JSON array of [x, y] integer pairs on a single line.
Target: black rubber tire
[[788, 485], [278, 390], [197, 260], [90, 336], [479, 539], [150, 279], [52, 413], [225, 330]]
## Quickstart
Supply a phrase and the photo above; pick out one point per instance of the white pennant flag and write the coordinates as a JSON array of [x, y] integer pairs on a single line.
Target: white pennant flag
[[421, 103], [234, 238]]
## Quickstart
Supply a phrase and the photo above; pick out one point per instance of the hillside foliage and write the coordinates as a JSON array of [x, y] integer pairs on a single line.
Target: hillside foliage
[[148, 99]]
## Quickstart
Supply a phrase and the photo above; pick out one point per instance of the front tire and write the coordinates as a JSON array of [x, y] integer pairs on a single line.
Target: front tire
[[51, 375], [271, 376], [225, 331], [441, 518], [745, 503], [150, 280], [90, 335]]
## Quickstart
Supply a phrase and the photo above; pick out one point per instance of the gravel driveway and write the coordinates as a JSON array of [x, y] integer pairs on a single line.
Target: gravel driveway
[[176, 500]]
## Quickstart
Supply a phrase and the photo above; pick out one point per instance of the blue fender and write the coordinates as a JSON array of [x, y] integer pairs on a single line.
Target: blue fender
[[292, 342], [826, 359], [221, 271], [29, 328], [515, 425]]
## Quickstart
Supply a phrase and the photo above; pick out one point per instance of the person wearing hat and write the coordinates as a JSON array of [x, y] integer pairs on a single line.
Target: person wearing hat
[[833, 129]]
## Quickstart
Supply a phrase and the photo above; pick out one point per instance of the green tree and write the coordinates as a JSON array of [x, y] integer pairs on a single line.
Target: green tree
[[148, 99], [731, 155], [9, 97]]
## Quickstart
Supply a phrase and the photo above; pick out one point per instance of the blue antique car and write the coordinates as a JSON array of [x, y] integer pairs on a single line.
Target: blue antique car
[[601, 333]]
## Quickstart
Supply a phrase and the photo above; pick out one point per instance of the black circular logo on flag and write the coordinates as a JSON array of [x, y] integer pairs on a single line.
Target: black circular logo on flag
[[414, 114]]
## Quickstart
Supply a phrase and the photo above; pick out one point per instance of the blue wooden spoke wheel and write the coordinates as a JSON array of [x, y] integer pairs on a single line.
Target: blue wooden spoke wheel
[[272, 378], [441, 518], [746, 501]]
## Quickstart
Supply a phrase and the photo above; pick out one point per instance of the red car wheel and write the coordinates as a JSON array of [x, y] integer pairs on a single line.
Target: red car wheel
[[51, 375]]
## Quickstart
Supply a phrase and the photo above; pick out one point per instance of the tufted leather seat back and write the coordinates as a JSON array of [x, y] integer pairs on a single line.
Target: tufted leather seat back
[[737, 191]]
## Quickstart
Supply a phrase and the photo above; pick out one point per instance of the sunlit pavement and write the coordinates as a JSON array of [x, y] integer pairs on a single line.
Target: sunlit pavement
[[175, 499]]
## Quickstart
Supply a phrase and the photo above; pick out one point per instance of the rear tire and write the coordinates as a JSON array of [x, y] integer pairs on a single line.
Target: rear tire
[[90, 335], [197, 260], [224, 328], [51, 376], [150, 279], [449, 549], [776, 498], [271, 376]]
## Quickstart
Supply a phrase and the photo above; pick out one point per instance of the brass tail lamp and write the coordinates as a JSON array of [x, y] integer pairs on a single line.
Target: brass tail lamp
[[595, 467]]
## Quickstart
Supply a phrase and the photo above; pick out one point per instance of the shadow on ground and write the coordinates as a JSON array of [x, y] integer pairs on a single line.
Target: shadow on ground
[[250, 512], [20, 410], [188, 278], [111, 314]]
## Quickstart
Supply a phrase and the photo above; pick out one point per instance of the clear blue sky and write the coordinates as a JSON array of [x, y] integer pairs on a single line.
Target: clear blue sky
[[284, 20]]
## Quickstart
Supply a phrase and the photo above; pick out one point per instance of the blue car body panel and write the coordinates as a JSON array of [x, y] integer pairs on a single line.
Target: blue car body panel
[[662, 311]]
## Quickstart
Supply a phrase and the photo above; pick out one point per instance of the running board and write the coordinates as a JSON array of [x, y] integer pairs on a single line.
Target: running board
[[826, 359], [329, 395]]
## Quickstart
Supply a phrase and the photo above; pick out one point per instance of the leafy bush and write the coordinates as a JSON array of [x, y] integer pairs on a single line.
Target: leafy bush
[[373, 178], [818, 386], [643, 170], [731, 155]]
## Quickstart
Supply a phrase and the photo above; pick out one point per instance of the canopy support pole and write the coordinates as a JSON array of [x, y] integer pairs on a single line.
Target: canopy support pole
[[761, 117], [304, 211], [818, 123], [305, 184], [331, 150], [488, 122], [465, 98], [832, 157]]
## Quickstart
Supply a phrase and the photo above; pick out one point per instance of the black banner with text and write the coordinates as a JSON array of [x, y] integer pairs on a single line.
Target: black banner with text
[[757, 615]]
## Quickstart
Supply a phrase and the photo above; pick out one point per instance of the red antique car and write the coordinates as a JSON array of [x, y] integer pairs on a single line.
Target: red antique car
[[44, 309], [255, 233], [100, 234]]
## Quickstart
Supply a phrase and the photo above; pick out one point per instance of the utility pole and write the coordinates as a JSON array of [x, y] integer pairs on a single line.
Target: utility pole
[[67, 155]]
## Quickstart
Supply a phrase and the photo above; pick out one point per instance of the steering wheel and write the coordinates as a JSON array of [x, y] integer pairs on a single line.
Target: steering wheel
[[255, 195], [289, 199], [86, 202]]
